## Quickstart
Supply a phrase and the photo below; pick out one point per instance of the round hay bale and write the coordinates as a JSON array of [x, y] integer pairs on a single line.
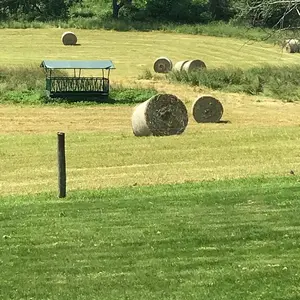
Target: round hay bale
[[69, 38], [179, 65], [163, 65], [292, 41], [193, 65], [207, 109], [291, 48], [161, 115]]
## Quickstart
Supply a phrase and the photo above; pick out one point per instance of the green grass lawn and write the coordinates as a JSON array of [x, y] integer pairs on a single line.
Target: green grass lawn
[[216, 240]]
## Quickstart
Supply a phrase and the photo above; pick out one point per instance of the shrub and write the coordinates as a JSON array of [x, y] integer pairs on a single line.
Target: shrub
[[278, 82], [123, 95]]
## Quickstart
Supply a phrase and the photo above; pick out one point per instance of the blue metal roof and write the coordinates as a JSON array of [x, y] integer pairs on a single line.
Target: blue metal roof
[[77, 64]]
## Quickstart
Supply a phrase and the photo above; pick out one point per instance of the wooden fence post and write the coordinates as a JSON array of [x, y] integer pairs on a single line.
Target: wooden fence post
[[61, 158]]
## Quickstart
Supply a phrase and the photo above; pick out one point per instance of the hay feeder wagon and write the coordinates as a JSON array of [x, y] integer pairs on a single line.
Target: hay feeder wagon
[[74, 86]]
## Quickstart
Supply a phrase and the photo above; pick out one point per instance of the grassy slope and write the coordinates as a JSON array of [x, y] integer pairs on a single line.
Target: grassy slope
[[217, 240], [134, 51]]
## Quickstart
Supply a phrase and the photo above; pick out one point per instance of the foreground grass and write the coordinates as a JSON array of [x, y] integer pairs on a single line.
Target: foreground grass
[[218, 240]]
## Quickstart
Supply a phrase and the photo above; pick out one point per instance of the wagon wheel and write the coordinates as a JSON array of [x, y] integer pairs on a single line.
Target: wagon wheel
[[207, 109]]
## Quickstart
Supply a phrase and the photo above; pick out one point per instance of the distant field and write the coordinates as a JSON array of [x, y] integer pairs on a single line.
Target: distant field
[[133, 51]]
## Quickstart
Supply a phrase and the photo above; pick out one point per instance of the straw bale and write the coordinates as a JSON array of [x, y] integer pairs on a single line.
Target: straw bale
[[179, 65], [161, 115], [207, 109], [292, 46], [69, 38], [193, 65], [162, 65]]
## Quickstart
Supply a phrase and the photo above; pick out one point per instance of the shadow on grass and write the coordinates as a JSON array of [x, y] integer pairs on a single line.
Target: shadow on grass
[[224, 122], [118, 95], [92, 101]]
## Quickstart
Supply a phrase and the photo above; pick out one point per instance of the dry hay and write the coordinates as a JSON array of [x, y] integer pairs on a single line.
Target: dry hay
[[193, 65], [69, 38], [161, 115], [189, 65], [207, 109], [292, 46], [179, 65], [163, 65]]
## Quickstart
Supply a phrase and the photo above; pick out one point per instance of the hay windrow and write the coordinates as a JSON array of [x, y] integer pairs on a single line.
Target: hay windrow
[[207, 109], [162, 65], [69, 38], [161, 115]]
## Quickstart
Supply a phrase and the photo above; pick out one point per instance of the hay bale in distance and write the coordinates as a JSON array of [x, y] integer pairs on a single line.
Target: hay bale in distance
[[179, 65], [161, 115], [207, 109], [292, 46], [69, 38], [193, 65], [162, 65], [189, 65]]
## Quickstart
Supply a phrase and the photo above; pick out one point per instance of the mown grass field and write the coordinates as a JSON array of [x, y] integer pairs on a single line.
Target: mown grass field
[[134, 51], [126, 229], [261, 138], [219, 240]]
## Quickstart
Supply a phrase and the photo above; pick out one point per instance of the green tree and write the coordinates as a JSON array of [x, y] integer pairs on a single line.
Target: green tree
[[179, 11], [221, 9], [118, 4], [279, 14], [36, 9]]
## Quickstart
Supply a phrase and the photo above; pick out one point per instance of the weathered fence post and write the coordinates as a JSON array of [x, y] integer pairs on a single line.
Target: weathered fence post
[[61, 158]]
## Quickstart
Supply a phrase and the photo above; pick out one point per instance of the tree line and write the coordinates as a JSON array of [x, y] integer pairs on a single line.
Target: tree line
[[269, 13]]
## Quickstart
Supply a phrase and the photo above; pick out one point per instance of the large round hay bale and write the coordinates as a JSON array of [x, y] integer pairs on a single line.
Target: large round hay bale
[[69, 38], [193, 65], [161, 115], [179, 65], [292, 46], [163, 65], [207, 109]]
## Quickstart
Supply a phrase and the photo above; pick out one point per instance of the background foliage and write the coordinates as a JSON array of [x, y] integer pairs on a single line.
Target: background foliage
[[253, 12]]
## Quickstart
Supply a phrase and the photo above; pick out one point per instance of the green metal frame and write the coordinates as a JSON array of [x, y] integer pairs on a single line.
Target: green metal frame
[[76, 85]]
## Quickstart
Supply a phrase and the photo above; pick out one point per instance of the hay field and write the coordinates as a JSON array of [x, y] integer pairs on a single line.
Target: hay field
[[134, 51], [262, 137]]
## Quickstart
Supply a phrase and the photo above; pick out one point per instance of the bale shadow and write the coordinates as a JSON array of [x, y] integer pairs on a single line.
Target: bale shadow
[[74, 100], [224, 122]]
